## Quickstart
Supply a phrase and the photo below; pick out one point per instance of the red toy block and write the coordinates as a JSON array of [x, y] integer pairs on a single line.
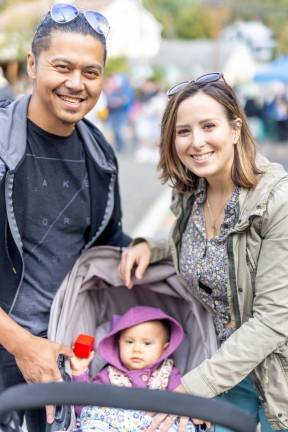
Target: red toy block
[[83, 345]]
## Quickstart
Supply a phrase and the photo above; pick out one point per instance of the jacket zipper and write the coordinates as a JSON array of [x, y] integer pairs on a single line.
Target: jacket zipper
[[107, 214], [232, 278], [13, 228], [7, 250], [252, 269]]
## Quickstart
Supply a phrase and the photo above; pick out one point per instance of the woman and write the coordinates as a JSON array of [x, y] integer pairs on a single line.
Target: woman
[[229, 244]]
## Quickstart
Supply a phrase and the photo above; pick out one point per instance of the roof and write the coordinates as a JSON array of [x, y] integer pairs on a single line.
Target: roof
[[254, 31], [190, 57]]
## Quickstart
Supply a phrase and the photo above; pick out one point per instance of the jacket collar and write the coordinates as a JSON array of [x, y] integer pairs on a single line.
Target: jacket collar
[[14, 136]]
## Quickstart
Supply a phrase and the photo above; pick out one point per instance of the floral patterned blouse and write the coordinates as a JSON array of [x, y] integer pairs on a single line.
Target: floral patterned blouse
[[204, 263]]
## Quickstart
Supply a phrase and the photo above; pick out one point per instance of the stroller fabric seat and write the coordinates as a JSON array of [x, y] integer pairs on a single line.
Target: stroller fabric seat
[[92, 293]]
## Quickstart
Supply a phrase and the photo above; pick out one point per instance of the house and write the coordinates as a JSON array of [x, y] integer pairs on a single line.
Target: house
[[254, 34], [187, 59]]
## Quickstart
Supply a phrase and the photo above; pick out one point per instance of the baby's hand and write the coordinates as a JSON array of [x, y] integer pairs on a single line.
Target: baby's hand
[[79, 364]]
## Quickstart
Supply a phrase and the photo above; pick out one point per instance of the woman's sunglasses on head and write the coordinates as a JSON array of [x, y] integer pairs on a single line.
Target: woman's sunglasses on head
[[63, 13], [201, 81]]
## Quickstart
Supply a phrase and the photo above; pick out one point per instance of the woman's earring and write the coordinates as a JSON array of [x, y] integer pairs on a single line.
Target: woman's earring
[[236, 140]]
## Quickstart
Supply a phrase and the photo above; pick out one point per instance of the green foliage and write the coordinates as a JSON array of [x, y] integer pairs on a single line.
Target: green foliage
[[283, 40], [159, 75], [167, 13], [116, 64], [191, 19], [194, 22], [186, 19]]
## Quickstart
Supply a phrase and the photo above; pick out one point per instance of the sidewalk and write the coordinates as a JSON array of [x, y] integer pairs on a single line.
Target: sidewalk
[[157, 221]]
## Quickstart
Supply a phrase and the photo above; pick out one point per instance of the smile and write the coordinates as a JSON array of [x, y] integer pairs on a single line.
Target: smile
[[71, 99], [203, 157]]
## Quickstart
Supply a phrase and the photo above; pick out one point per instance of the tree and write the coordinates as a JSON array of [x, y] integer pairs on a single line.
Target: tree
[[166, 12], [283, 40], [186, 18]]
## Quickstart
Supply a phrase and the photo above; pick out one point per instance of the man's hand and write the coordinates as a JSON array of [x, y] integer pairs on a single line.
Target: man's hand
[[36, 357], [37, 360]]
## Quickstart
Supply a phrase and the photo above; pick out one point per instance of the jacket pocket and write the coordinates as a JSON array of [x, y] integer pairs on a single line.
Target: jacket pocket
[[281, 354], [272, 373]]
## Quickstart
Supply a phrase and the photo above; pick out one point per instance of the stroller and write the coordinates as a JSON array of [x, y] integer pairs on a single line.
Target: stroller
[[86, 301]]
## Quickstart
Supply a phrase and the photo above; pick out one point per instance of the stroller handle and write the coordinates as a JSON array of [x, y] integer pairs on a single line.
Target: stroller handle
[[27, 396]]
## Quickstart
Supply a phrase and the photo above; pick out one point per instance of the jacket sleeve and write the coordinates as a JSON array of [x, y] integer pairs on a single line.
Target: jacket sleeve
[[267, 329]]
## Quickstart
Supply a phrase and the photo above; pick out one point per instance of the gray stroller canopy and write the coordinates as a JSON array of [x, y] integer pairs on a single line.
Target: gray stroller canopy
[[92, 292]]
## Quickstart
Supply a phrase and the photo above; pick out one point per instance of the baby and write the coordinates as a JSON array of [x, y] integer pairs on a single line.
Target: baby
[[137, 351]]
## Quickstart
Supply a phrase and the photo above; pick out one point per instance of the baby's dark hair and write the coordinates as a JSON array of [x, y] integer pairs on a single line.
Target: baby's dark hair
[[42, 37]]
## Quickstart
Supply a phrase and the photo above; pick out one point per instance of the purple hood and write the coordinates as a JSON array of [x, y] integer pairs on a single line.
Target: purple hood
[[108, 346]]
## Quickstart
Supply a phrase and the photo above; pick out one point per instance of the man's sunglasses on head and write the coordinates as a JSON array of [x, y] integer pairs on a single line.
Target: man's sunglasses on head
[[63, 13]]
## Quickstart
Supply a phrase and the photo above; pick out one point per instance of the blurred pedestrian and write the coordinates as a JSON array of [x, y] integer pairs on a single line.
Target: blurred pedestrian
[[59, 190], [253, 108], [120, 96], [6, 91], [229, 246], [152, 101]]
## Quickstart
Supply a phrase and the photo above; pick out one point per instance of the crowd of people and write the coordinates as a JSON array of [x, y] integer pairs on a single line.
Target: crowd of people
[[268, 116], [131, 115], [60, 196]]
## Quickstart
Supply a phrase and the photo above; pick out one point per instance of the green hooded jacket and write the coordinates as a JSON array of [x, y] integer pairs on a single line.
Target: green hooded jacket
[[257, 251]]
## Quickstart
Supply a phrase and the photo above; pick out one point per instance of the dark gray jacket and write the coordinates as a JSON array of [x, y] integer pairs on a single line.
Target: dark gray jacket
[[106, 225]]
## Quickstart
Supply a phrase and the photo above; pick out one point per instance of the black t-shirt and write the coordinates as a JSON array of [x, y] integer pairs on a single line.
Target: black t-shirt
[[51, 190]]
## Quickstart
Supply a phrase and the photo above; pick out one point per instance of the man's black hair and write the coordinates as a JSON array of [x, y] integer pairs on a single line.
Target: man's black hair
[[42, 38]]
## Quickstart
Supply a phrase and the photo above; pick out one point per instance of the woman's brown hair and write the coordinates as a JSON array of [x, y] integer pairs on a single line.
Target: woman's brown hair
[[244, 171]]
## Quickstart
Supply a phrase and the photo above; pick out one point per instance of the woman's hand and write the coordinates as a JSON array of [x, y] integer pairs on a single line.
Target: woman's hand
[[134, 258], [166, 420]]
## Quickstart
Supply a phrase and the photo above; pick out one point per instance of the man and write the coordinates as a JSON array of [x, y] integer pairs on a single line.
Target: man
[[58, 190]]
